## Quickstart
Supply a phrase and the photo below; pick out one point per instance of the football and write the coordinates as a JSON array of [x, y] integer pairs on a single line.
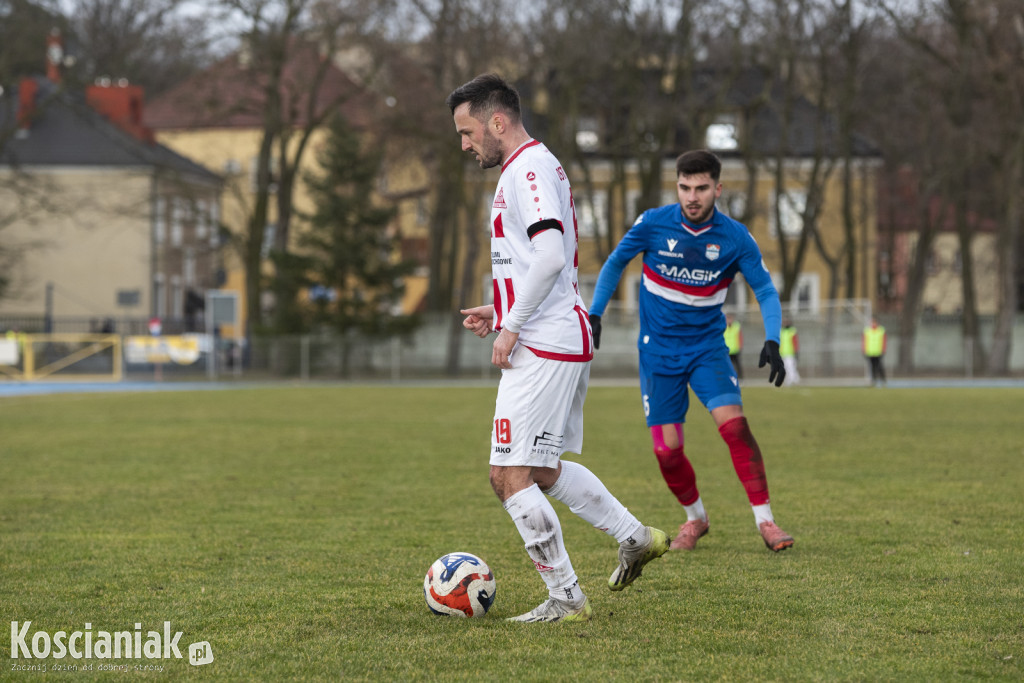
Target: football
[[459, 585]]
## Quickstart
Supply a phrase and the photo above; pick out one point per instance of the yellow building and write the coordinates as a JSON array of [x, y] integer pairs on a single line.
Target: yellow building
[[218, 118]]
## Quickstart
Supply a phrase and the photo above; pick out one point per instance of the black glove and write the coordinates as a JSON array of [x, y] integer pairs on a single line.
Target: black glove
[[770, 356], [595, 325]]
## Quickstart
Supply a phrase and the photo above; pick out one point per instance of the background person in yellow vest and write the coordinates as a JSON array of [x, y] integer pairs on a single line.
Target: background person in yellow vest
[[789, 347], [734, 340], [18, 336], [873, 346]]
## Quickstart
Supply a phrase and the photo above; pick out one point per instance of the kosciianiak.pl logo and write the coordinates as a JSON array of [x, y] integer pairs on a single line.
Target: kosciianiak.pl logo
[[87, 644]]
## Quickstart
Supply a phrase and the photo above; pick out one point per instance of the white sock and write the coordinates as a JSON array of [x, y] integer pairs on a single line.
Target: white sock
[[762, 514], [696, 511], [588, 498], [542, 533]]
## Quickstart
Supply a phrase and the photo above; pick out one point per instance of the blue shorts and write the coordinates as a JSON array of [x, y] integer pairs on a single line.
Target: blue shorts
[[664, 381]]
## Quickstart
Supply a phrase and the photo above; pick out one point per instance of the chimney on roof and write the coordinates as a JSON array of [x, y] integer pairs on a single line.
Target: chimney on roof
[[27, 91], [54, 55], [121, 103]]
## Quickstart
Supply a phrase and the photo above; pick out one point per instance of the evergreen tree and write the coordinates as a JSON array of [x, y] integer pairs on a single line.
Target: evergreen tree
[[347, 250]]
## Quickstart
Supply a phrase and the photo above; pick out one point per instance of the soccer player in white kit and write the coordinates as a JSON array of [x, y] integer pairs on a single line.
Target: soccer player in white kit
[[544, 348]]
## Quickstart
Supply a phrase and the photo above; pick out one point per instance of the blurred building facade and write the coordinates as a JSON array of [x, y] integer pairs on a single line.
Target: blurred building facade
[[100, 221]]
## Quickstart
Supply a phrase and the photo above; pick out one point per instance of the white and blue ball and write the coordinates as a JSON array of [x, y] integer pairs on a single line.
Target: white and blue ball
[[459, 585]]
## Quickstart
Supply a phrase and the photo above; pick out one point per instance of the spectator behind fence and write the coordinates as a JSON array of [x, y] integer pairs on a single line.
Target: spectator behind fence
[[789, 348], [734, 340], [873, 346]]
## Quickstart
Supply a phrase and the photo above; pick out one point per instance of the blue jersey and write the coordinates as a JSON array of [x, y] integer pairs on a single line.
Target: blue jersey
[[687, 271]]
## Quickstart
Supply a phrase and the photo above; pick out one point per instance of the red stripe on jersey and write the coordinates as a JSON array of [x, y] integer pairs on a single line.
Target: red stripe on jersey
[[567, 357], [584, 329], [510, 291], [576, 232], [687, 289], [519, 151], [497, 305], [498, 308], [499, 230], [696, 231]]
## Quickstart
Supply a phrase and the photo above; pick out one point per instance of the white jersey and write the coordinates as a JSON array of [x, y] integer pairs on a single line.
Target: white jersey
[[533, 187]]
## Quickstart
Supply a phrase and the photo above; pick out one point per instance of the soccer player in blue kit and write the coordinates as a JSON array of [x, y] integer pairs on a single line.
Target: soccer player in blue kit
[[691, 253]]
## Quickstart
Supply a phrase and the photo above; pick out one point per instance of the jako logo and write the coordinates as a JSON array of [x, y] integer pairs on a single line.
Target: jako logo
[[103, 644]]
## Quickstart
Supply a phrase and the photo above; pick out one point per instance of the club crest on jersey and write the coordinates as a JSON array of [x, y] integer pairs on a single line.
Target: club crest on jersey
[[672, 244], [712, 251], [499, 201]]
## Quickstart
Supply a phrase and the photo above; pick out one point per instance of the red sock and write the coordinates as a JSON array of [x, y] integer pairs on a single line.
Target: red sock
[[746, 459], [676, 468]]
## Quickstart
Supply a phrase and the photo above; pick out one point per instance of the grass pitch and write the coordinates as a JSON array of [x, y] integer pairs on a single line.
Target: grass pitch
[[291, 528]]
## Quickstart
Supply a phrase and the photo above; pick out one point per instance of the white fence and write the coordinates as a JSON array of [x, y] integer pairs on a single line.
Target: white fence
[[830, 349]]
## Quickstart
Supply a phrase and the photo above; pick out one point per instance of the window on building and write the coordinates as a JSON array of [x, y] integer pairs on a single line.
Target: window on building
[[188, 266], [736, 296], [791, 207], [587, 282], [588, 137], [632, 205], [214, 224], [733, 203], [160, 221], [159, 296], [422, 211], [177, 221], [632, 293], [269, 234], [127, 298], [177, 297], [254, 166], [592, 214], [723, 133], [202, 219], [806, 295]]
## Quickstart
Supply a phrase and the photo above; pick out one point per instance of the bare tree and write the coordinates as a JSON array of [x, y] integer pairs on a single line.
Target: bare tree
[[974, 53], [152, 43], [914, 137], [282, 81], [661, 73], [460, 39], [1006, 57], [788, 28]]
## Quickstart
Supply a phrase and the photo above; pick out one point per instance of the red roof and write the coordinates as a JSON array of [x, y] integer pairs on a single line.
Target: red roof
[[230, 95]]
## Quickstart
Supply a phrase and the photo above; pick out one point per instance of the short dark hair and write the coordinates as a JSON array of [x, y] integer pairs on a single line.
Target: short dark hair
[[486, 94], [699, 161]]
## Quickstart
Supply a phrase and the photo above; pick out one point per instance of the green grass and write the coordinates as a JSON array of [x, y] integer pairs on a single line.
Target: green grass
[[291, 528]]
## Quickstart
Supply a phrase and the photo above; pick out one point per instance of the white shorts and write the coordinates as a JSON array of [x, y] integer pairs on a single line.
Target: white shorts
[[538, 414]]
